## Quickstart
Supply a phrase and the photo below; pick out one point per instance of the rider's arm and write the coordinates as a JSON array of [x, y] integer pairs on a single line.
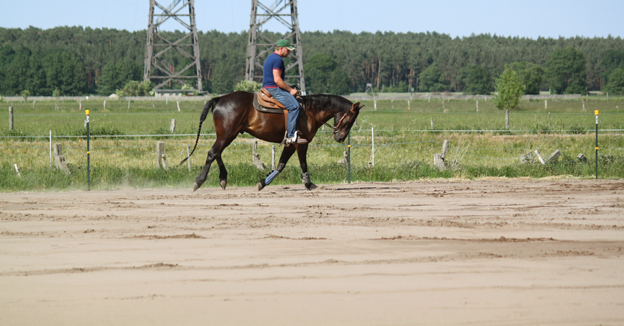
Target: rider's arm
[[277, 77]]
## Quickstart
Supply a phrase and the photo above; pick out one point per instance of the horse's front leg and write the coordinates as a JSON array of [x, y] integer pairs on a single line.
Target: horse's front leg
[[302, 151], [286, 154]]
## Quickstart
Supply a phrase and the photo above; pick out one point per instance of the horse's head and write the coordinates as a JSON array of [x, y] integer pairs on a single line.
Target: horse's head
[[345, 121]]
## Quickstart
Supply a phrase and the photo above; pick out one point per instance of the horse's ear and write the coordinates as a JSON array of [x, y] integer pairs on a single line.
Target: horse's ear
[[355, 106], [361, 106]]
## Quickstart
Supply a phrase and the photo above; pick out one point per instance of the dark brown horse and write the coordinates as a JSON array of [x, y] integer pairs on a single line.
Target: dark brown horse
[[234, 114]]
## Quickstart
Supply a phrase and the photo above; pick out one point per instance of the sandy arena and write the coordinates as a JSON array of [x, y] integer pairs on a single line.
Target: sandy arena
[[487, 252]]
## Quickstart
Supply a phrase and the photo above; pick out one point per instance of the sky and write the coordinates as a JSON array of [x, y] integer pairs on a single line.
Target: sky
[[526, 18]]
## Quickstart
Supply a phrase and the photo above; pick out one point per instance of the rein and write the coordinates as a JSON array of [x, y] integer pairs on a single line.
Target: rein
[[335, 129]]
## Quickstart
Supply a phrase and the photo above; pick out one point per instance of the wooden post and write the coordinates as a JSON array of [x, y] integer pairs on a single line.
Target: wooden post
[[172, 125], [178, 103], [256, 157], [443, 103], [188, 155], [128, 104], [34, 101], [545, 104], [445, 148], [607, 96], [161, 159], [373, 141], [408, 104], [59, 159], [153, 105], [582, 100], [553, 157], [79, 104], [10, 118], [438, 159], [273, 157], [17, 170], [375, 104], [477, 105], [582, 158], [539, 157], [104, 104], [431, 122], [549, 121], [429, 98], [507, 119]]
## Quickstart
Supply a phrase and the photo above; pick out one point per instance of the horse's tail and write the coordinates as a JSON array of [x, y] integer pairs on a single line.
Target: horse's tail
[[209, 106]]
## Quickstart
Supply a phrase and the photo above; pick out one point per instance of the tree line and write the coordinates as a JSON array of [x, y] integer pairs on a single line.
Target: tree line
[[77, 61]]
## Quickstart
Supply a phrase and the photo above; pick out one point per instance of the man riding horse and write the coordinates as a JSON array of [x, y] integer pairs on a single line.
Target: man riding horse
[[273, 81], [239, 112]]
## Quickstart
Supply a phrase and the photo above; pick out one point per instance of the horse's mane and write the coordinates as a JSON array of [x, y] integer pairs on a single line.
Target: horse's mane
[[332, 103]]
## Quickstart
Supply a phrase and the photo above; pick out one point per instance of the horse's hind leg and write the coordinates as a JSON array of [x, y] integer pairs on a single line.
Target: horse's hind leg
[[302, 151], [286, 154], [213, 154], [222, 172]]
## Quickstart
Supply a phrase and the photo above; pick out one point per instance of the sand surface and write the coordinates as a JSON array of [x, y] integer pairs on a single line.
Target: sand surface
[[487, 252]]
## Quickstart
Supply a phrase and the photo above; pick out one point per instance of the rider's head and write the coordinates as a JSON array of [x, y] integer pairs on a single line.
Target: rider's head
[[283, 48]]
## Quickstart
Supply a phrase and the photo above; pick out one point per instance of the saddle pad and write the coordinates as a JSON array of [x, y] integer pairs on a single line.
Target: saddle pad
[[264, 109]]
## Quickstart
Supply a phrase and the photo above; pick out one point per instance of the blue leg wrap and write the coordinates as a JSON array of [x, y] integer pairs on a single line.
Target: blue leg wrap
[[271, 177]]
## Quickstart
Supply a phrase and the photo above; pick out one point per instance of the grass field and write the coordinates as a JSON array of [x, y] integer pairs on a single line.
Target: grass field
[[480, 144]]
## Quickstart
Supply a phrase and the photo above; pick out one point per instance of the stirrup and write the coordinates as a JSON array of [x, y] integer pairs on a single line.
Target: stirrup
[[292, 140]]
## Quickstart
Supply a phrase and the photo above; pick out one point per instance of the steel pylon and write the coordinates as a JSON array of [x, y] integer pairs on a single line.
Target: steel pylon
[[260, 45], [157, 68]]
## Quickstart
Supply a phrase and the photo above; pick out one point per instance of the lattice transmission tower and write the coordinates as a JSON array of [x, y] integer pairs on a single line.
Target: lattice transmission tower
[[260, 45], [159, 49]]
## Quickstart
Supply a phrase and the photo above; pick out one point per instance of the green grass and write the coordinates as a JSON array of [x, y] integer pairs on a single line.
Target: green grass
[[404, 144]]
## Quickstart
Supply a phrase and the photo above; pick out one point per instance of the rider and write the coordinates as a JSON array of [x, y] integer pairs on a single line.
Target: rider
[[273, 81]]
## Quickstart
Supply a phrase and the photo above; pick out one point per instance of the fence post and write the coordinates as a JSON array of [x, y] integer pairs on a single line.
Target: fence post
[[507, 119], [17, 170], [59, 159], [477, 105], [255, 156], [161, 159], [79, 104], [178, 103], [438, 159], [596, 113], [153, 105], [549, 121], [373, 141], [88, 152], [34, 101], [273, 157], [582, 100], [172, 125], [10, 117], [50, 147], [104, 104], [188, 155], [128, 104], [545, 104], [431, 122]]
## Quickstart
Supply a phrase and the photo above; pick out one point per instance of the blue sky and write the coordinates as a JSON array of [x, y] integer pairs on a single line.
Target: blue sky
[[527, 18]]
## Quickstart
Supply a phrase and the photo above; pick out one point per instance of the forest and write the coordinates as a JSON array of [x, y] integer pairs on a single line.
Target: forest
[[81, 60]]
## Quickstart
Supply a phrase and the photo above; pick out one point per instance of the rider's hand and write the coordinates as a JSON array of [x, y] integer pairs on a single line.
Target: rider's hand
[[293, 92]]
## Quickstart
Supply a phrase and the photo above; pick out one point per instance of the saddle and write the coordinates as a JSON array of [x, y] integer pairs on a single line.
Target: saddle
[[264, 102]]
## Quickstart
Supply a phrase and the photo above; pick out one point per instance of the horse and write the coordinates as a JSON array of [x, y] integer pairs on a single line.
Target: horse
[[234, 114]]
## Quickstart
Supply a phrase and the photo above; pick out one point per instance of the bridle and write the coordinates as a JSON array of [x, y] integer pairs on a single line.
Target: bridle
[[335, 129]]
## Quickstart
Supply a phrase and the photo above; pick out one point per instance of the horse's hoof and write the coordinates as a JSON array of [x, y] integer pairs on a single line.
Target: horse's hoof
[[223, 183], [195, 186], [260, 185], [311, 186]]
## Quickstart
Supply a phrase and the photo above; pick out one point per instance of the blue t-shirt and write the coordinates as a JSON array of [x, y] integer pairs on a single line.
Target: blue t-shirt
[[273, 61]]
